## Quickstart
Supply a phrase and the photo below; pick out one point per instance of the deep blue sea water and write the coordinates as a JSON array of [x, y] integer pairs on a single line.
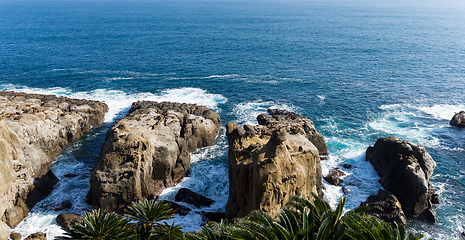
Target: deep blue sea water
[[359, 70]]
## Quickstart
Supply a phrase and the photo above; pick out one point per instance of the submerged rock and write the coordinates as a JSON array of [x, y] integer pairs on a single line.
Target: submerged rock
[[271, 162], [405, 170], [148, 150], [33, 131], [212, 216], [458, 120], [385, 206], [188, 196], [334, 176]]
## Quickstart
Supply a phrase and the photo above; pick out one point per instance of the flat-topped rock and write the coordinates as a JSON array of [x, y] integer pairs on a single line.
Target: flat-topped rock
[[33, 130], [148, 150], [271, 162]]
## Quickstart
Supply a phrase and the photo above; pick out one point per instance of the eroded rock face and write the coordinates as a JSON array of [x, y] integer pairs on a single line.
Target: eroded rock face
[[458, 120], [405, 170], [271, 162], [33, 130], [148, 150]]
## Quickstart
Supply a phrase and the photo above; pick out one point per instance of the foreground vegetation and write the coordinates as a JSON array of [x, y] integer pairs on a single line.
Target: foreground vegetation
[[301, 220]]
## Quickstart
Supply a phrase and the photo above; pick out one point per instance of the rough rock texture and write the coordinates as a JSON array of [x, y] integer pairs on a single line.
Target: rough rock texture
[[458, 120], [148, 150], [65, 219], [271, 162], [188, 196], [385, 206], [334, 176], [37, 236], [33, 130], [405, 170]]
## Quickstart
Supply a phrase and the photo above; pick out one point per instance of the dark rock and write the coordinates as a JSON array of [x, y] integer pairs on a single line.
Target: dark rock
[[405, 170], [435, 199], [60, 206], [188, 196], [65, 219], [458, 120], [70, 175], [334, 176], [212, 216], [15, 236], [385, 206], [180, 209], [273, 161], [347, 166], [427, 216], [37, 236]]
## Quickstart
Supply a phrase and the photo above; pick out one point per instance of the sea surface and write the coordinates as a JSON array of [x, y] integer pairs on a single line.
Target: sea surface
[[360, 70]]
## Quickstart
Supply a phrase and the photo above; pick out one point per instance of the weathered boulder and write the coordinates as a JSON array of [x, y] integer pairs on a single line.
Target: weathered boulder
[[458, 120], [15, 236], [405, 170], [385, 206], [33, 130], [189, 196], [334, 176], [65, 219], [271, 162], [148, 150], [37, 236]]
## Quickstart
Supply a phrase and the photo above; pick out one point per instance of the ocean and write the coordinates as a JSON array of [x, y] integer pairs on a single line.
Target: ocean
[[360, 70]]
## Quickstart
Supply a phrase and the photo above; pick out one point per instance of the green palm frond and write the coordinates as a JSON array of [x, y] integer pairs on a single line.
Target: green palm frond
[[100, 224], [165, 231], [148, 212]]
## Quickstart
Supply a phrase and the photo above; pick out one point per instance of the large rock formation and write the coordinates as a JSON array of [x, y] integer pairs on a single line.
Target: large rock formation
[[458, 120], [405, 170], [273, 161], [148, 150], [33, 130]]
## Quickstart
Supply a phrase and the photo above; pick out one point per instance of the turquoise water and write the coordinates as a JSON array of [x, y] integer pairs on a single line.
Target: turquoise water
[[359, 70]]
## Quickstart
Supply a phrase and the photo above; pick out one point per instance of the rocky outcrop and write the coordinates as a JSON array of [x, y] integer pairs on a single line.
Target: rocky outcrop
[[148, 150], [33, 130], [4, 230], [385, 206], [405, 170], [458, 120], [271, 162]]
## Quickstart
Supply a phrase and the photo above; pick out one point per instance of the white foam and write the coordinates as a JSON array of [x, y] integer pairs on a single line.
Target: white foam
[[442, 111], [118, 101], [247, 112]]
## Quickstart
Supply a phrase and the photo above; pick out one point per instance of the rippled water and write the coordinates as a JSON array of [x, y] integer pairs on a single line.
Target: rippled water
[[359, 70]]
